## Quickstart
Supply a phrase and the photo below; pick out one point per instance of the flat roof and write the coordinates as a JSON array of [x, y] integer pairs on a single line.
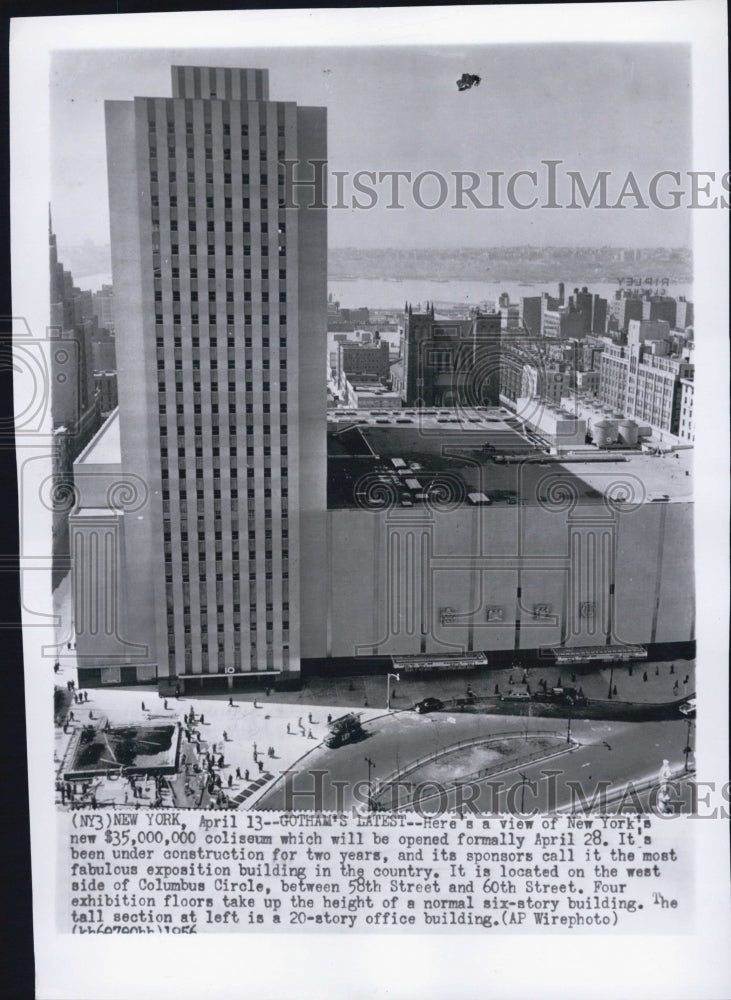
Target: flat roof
[[490, 458], [105, 447]]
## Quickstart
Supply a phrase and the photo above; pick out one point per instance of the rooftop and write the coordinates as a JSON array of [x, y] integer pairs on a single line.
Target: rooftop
[[482, 452]]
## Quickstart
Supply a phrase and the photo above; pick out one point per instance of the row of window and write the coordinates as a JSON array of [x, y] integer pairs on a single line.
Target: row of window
[[152, 125]]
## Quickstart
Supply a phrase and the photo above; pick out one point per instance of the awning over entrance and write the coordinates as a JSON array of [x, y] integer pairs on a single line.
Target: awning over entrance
[[434, 664], [568, 655]]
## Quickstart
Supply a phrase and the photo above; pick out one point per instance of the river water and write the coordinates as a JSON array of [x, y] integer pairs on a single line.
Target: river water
[[386, 293]]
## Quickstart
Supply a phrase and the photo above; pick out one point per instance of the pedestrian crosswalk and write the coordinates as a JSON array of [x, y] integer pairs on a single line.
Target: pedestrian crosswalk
[[252, 787]]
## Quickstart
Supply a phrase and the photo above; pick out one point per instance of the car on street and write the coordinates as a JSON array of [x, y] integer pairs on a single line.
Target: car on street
[[428, 705], [516, 696]]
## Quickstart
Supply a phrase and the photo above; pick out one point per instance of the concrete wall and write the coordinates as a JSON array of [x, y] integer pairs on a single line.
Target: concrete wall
[[513, 577]]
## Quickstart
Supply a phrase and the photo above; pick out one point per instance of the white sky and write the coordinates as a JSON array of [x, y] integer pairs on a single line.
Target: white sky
[[594, 106]]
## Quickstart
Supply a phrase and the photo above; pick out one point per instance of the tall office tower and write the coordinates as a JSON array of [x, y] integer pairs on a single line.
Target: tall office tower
[[220, 309]]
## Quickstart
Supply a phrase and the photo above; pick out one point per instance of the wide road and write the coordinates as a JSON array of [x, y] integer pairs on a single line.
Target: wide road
[[610, 752]]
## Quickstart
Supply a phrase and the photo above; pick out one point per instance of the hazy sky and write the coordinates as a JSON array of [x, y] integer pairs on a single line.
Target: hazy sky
[[596, 107]]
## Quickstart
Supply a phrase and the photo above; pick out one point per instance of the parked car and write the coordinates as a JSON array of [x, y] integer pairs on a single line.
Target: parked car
[[428, 705], [516, 696], [688, 708]]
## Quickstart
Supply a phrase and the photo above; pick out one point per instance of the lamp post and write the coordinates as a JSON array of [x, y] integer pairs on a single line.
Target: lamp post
[[688, 750], [388, 689], [371, 765], [524, 778]]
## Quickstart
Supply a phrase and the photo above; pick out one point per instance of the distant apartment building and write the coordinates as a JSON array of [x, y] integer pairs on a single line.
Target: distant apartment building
[[358, 360], [75, 410], [583, 301], [448, 362], [548, 384], [103, 306], [590, 354], [642, 379], [599, 315], [530, 314], [686, 430], [103, 352], [588, 382], [660, 307], [564, 322], [683, 313], [106, 388], [623, 308]]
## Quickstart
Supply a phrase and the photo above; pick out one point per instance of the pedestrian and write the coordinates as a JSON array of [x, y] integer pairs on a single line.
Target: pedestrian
[[213, 748], [230, 780], [644, 676], [220, 761], [365, 705], [56, 667], [497, 689], [329, 718], [203, 721], [558, 683], [246, 774], [614, 691], [261, 765], [71, 716], [231, 702], [68, 645], [143, 707], [309, 718], [86, 695], [309, 735], [255, 751], [255, 703], [289, 728], [177, 690], [629, 671], [675, 687], [657, 671], [165, 704], [510, 679], [225, 736], [672, 668], [686, 678], [268, 690]]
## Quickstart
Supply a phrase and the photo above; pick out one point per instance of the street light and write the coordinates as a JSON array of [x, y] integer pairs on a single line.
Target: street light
[[522, 791], [388, 689], [688, 748], [371, 764]]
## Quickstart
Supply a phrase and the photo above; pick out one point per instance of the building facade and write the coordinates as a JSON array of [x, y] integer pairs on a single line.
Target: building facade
[[642, 379], [448, 362], [220, 289]]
